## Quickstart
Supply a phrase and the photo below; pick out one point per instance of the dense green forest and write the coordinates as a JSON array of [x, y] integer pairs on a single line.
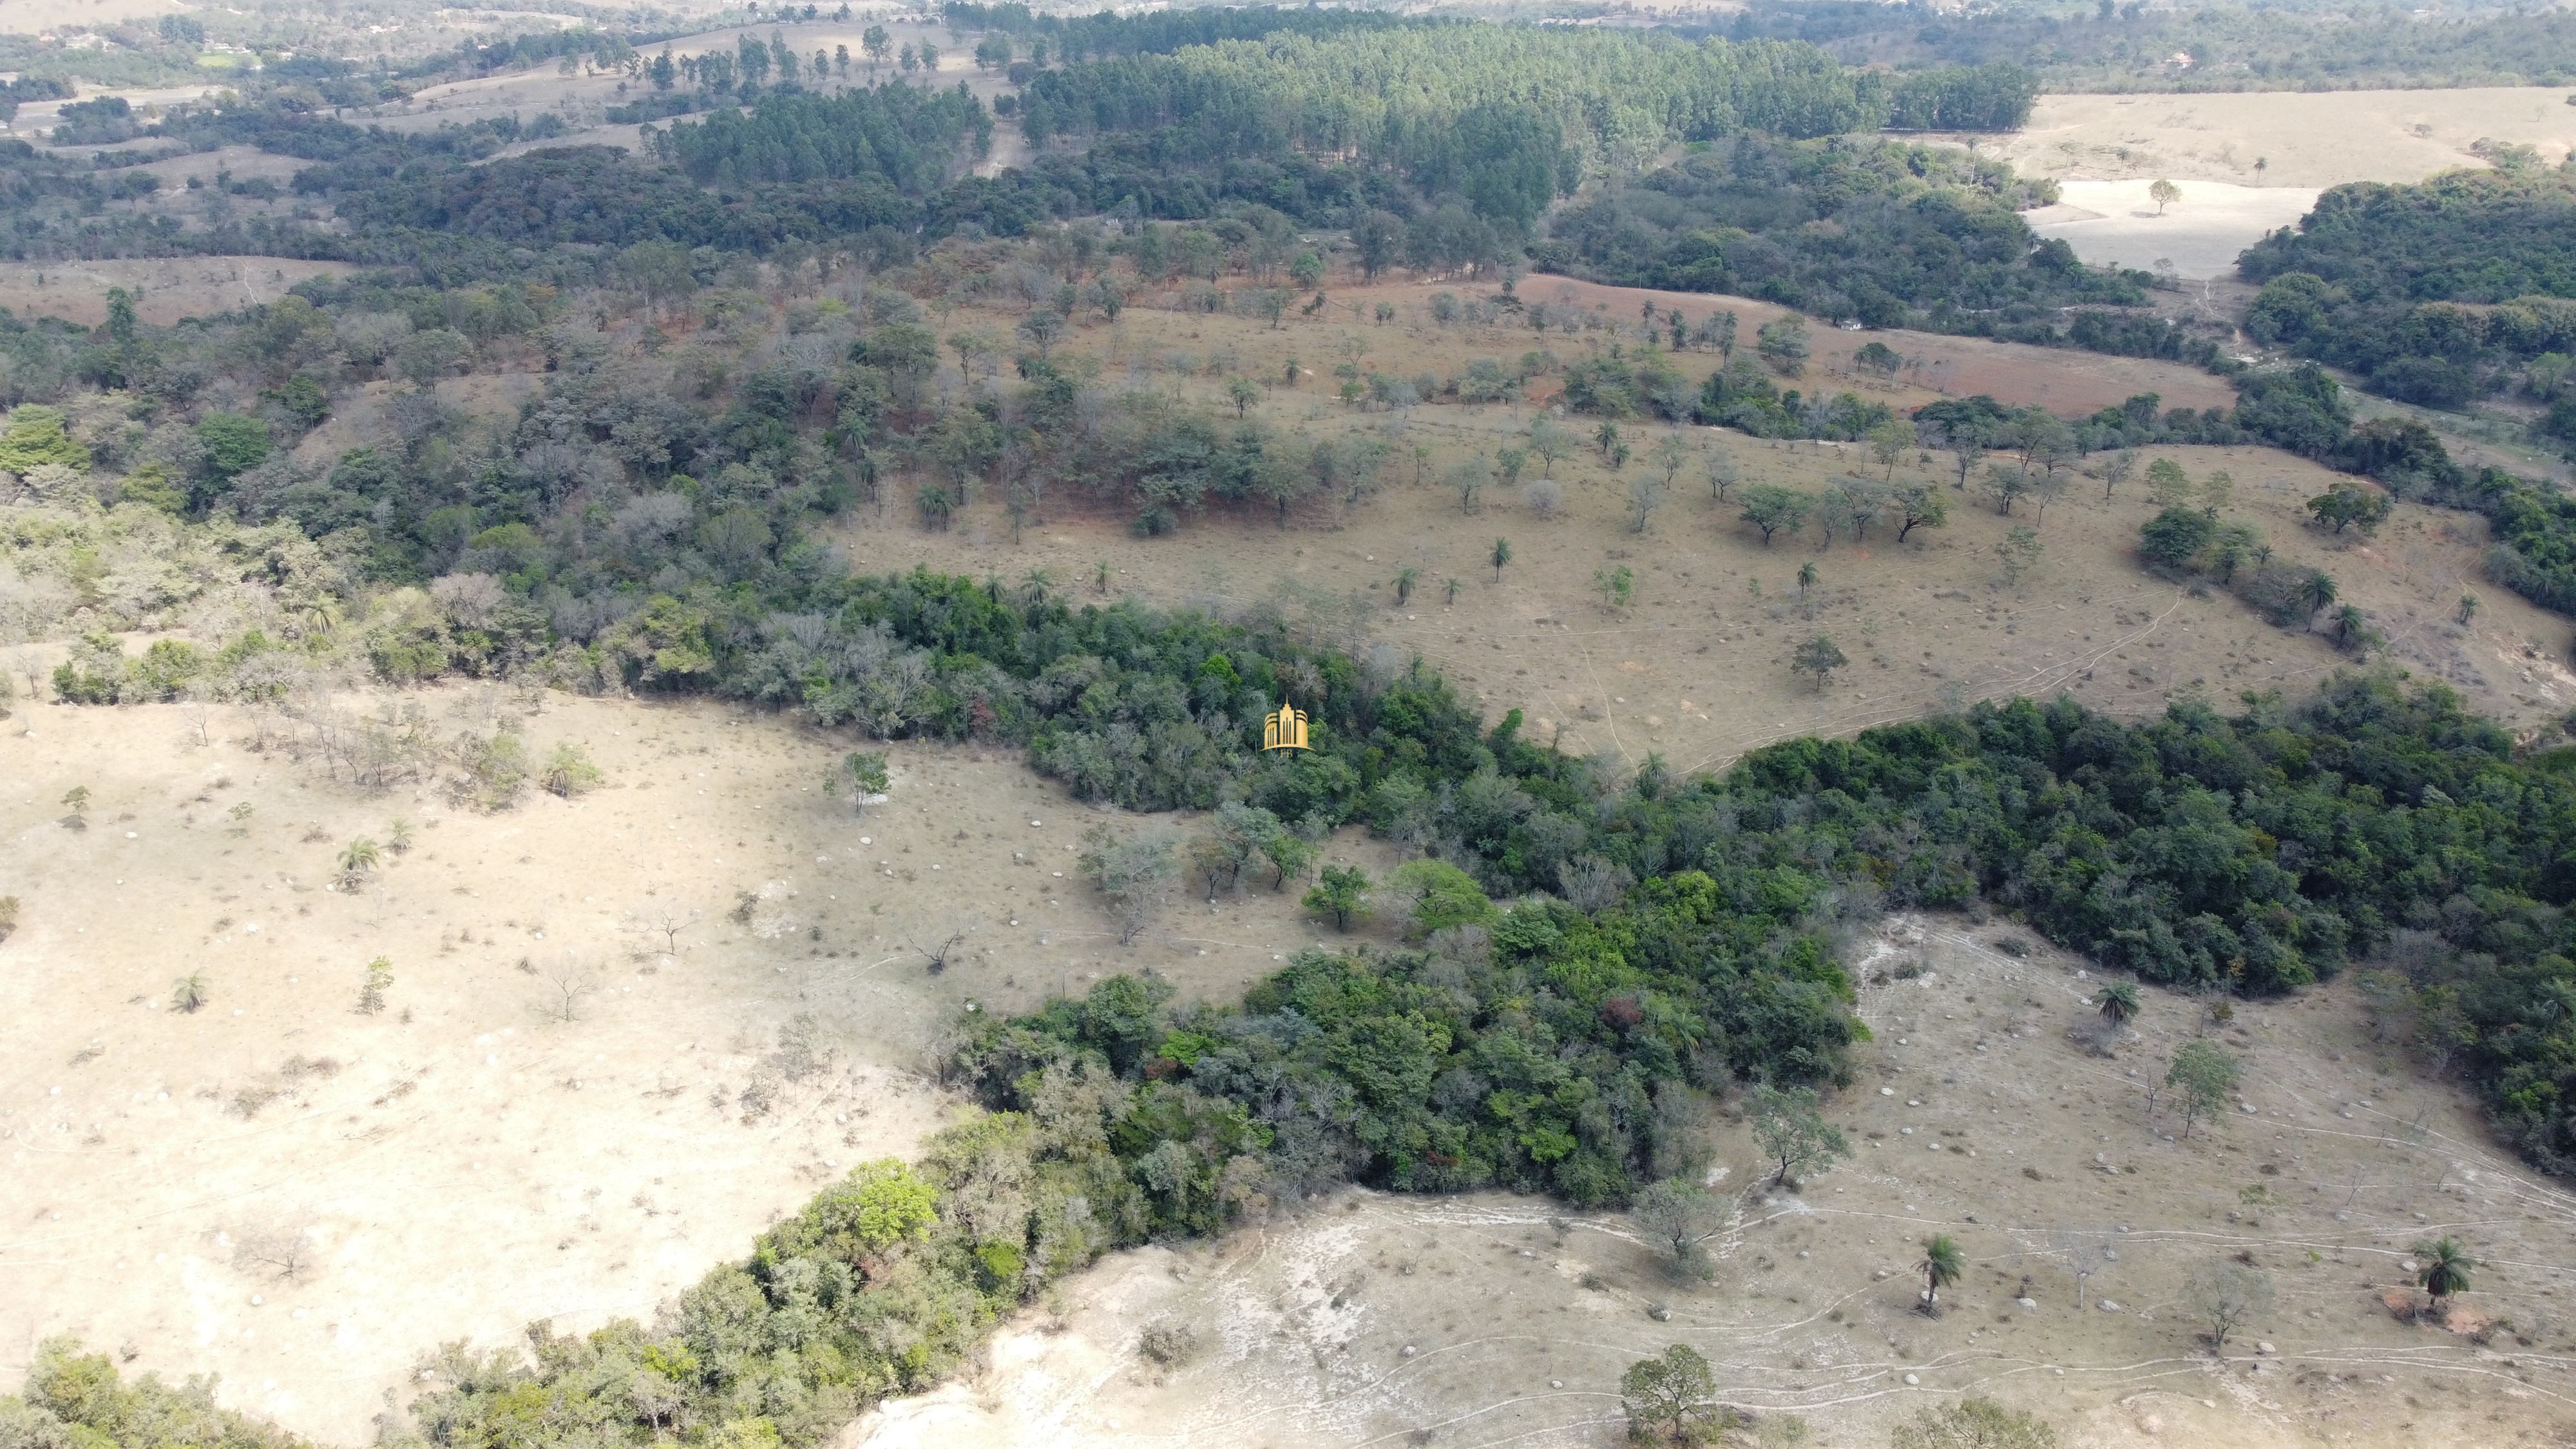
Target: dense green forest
[[2439, 293], [1108, 33], [2132, 47], [1507, 119], [1885, 233]]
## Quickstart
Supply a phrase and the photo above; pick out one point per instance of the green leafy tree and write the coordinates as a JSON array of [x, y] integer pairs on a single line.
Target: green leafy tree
[[1819, 657], [233, 445], [2168, 484], [1772, 509], [2175, 537], [1617, 585], [37, 436], [861, 774], [1783, 343], [1793, 1132], [1289, 854], [2347, 506], [1919, 506], [1342, 892], [1677, 1216], [1671, 1398], [2201, 1075]]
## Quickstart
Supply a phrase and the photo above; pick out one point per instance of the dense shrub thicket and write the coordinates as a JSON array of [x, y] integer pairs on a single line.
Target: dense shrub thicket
[[1886, 233], [2438, 292]]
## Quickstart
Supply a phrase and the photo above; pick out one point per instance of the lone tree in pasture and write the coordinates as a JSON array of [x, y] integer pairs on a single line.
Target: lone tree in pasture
[[1134, 873], [1671, 1398], [2202, 1074], [2163, 194], [1679, 1215], [1342, 892], [861, 775], [2442, 1269], [1820, 657], [358, 860], [2223, 1295], [1793, 1132]]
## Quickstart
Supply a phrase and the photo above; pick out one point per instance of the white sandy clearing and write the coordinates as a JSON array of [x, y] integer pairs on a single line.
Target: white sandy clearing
[[2115, 223]]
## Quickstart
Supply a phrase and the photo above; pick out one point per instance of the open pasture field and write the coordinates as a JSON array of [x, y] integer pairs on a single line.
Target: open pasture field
[[165, 289], [2303, 138]]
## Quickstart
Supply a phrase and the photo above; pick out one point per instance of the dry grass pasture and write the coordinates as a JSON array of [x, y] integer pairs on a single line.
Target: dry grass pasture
[[2305, 139], [165, 289]]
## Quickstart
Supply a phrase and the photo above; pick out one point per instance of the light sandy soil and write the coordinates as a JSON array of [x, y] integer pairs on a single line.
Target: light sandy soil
[[466, 1162], [165, 289], [2115, 223], [1494, 1320], [2312, 139]]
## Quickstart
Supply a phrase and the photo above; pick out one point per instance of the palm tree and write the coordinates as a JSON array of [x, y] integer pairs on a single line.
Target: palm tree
[[2117, 1001], [2348, 620], [1942, 1266], [361, 856], [1037, 582], [1405, 578], [2316, 591], [2442, 1269]]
